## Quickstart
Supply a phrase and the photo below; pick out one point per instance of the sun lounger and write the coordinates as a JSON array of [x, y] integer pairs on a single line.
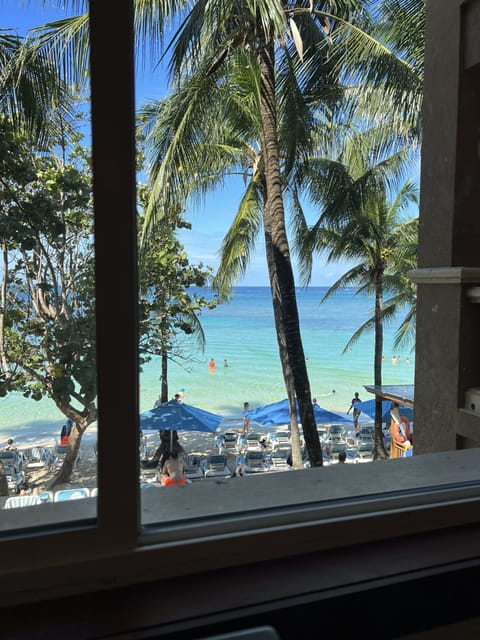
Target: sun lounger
[[15, 502], [364, 451], [227, 442], [280, 440], [71, 494], [336, 432], [15, 478], [215, 466], [191, 465], [59, 453], [367, 432], [252, 442], [333, 448], [254, 462], [12, 458], [37, 457], [322, 433], [278, 460]]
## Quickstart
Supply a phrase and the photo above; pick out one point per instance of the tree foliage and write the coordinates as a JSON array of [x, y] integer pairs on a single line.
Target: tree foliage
[[171, 300], [47, 320]]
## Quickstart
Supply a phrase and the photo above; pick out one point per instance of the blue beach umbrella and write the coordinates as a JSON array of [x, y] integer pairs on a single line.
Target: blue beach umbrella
[[179, 416], [277, 413], [368, 407]]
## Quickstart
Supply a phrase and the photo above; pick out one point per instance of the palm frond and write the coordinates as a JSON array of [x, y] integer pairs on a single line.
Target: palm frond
[[239, 241]]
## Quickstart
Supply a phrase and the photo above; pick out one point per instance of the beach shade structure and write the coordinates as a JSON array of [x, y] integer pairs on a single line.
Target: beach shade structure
[[179, 416], [368, 407], [277, 413]]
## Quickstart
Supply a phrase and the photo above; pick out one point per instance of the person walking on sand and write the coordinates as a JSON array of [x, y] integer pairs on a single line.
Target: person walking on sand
[[356, 412]]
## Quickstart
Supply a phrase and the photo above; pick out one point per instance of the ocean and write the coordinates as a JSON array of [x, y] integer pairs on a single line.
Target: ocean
[[243, 332]]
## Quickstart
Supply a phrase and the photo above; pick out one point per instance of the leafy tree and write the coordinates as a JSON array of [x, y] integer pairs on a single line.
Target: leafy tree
[[169, 312], [47, 323]]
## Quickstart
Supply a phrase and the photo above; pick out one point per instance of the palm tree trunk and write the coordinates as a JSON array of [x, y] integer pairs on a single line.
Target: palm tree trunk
[[280, 267], [380, 452]]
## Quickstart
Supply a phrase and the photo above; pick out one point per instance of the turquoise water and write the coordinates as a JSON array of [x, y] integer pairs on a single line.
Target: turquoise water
[[243, 332]]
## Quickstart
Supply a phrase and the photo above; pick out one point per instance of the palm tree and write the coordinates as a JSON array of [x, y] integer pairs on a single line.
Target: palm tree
[[32, 95], [199, 119], [215, 125], [361, 224]]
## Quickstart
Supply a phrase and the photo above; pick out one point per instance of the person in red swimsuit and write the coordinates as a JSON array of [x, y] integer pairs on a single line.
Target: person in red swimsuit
[[173, 472]]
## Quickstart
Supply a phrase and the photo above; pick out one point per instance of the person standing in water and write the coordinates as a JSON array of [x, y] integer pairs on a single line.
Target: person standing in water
[[211, 366]]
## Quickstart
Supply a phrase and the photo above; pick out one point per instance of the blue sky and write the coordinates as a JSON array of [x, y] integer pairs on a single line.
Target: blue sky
[[210, 222]]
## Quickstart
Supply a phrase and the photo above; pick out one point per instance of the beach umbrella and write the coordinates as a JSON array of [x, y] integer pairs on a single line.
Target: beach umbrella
[[179, 416], [277, 413], [368, 407]]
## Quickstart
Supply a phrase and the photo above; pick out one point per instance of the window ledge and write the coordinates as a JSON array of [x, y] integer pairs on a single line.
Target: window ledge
[[226, 524]]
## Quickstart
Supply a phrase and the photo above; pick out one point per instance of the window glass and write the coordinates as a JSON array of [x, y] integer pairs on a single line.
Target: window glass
[[48, 378]]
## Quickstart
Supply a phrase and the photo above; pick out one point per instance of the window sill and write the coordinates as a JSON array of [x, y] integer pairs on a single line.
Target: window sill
[[224, 525]]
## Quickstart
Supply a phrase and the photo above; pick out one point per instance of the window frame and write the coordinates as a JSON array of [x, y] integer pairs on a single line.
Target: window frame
[[113, 548]]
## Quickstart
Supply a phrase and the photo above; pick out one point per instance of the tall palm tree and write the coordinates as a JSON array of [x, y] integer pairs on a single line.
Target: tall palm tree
[[213, 130], [362, 197], [257, 32]]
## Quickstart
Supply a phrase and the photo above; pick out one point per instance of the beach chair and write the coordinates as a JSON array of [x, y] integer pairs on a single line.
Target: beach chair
[[63, 495], [367, 432], [278, 460], [12, 458], [94, 492], [364, 451], [322, 433], [336, 432], [215, 466], [14, 502], [46, 496], [191, 465], [254, 462], [15, 479], [280, 440], [36, 457], [333, 448], [59, 453], [228, 442], [252, 442]]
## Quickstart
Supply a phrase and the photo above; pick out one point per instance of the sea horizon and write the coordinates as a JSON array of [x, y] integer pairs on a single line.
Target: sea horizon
[[243, 332]]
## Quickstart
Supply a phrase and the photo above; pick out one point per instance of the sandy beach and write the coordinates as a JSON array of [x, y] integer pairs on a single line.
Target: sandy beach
[[85, 472]]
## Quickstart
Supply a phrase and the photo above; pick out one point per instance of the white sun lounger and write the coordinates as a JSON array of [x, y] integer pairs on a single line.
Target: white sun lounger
[[15, 502], [215, 466]]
